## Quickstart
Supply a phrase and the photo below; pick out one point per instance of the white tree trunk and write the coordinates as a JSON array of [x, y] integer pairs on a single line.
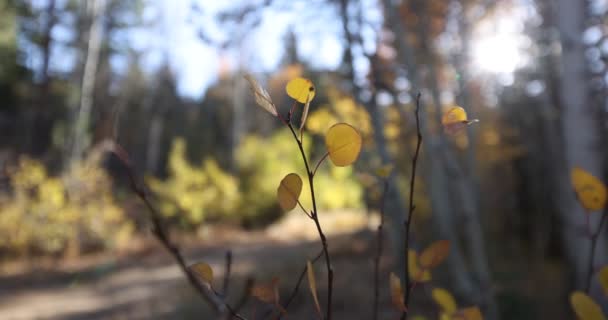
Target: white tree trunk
[[581, 131], [95, 10]]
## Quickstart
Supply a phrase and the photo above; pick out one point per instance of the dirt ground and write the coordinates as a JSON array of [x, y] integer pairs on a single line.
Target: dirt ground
[[144, 283]]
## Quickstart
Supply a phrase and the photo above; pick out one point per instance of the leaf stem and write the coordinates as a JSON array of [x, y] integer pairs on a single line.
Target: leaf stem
[[314, 172]]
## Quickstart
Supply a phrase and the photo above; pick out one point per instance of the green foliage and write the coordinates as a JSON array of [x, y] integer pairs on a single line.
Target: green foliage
[[194, 193], [51, 214]]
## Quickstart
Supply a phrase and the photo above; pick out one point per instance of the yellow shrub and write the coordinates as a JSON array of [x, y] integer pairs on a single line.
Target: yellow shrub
[[50, 214]]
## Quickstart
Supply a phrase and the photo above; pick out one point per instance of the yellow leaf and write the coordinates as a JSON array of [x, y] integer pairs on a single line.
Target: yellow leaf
[[385, 170], [445, 300], [591, 191], [434, 254], [603, 275], [397, 292], [472, 313], [313, 286], [585, 308], [301, 90], [289, 191], [262, 97], [343, 143], [455, 119], [203, 271], [416, 273]]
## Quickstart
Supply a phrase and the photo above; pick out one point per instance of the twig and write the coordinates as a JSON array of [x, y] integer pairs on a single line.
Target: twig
[[319, 163], [379, 251], [593, 238], [161, 235], [412, 207], [227, 268], [315, 217], [294, 292]]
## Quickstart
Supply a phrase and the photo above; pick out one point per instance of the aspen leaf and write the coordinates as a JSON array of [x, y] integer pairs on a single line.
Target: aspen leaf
[[397, 292], [289, 191], [585, 308], [313, 286], [434, 254], [445, 300], [300, 89], [416, 272], [472, 313], [343, 143], [304, 114], [455, 119], [603, 275], [591, 191], [262, 97], [203, 271]]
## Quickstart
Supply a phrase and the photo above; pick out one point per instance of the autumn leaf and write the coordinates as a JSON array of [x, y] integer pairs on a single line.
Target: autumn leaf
[[203, 271], [434, 254], [262, 97], [397, 292], [313, 286], [289, 191], [585, 308], [471, 313], [591, 191], [267, 292], [455, 119], [301, 90], [343, 143], [416, 272], [445, 300]]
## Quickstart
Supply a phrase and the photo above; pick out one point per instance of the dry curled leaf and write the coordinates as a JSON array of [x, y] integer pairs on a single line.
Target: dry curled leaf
[[262, 97], [397, 292], [313, 286]]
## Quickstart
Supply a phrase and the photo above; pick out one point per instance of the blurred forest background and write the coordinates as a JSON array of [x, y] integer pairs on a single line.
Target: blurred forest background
[[164, 79]]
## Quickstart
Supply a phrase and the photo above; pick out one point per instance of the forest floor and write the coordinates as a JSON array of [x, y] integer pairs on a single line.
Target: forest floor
[[144, 283]]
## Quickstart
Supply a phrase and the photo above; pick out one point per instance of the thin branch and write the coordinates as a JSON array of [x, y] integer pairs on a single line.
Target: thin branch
[[294, 292], [227, 268], [412, 207], [379, 251], [315, 217], [593, 238], [162, 236]]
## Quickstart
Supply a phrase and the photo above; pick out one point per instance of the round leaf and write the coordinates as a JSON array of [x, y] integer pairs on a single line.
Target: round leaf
[[203, 271], [434, 254], [455, 119], [585, 308], [301, 90], [343, 143], [591, 191], [445, 300], [289, 191]]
